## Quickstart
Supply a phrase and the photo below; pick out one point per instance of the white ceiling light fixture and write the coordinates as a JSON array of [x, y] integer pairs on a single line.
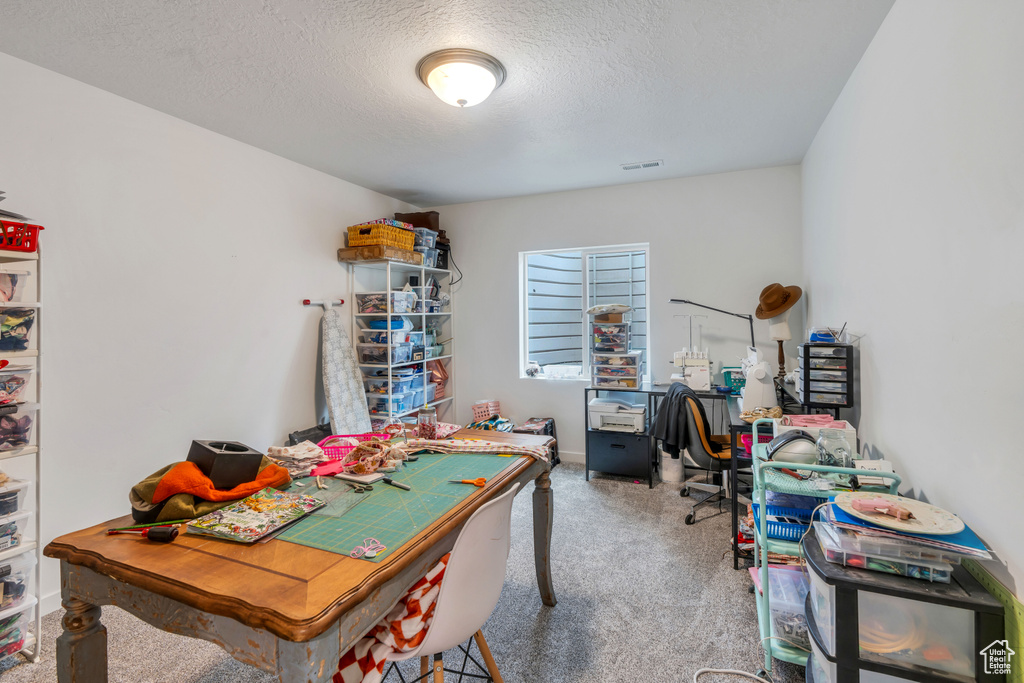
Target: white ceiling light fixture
[[461, 77]]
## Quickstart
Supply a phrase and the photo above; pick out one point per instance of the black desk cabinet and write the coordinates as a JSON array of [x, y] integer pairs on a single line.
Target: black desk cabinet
[[628, 455]]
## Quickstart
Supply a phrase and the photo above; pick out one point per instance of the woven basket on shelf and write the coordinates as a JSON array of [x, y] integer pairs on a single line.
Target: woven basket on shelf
[[380, 235]]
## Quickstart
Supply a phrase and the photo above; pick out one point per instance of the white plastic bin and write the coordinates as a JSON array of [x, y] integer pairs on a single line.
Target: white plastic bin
[[425, 237], [14, 530], [397, 403], [14, 380], [380, 385], [16, 427], [12, 497], [16, 575], [378, 354], [787, 593]]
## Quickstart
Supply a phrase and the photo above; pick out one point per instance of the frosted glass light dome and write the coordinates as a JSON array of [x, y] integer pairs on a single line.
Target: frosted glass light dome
[[461, 78]]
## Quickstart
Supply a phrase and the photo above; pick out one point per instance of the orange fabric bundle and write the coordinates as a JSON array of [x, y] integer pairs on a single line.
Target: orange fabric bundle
[[186, 477]]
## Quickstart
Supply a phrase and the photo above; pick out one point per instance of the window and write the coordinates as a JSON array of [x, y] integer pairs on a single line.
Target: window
[[557, 287]]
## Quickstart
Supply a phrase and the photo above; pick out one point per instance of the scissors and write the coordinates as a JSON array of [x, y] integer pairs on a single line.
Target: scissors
[[369, 549], [475, 482], [359, 488]]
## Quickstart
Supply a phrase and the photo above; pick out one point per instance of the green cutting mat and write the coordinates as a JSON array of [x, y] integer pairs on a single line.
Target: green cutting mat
[[391, 515]]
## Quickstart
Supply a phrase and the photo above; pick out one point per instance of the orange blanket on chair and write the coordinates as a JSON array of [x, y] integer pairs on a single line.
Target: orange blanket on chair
[[186, 477]]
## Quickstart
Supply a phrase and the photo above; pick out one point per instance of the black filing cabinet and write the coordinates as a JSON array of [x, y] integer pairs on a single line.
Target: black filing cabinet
[[628, 455]]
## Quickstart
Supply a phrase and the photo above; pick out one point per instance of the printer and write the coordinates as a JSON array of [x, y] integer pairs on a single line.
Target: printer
[[611, 415]]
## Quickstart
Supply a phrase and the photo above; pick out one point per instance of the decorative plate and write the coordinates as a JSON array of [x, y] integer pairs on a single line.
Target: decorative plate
[[928, 519]]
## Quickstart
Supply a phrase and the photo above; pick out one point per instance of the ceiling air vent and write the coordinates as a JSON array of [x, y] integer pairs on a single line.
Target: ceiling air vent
[[637, 165]]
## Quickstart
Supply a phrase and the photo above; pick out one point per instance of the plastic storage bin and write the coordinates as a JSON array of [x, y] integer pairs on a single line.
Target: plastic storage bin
[[616, 382], [377, 302], [13, 529], [428, 306], [787, 594], [396, 403], [425, 237], [797, 521], [931, 629], [826, 363], [14, 627], [429, 256], [16, 427], [13, 381], [629, 358], [825, 351], [16, 575], [837, 399], [616, 370], [896, 549], [381, 385], [384, 336], [12, 497], [917, 570], [12, 285], [610, 328], [16, 325], [378, 354], [421, 396], [837, 387]]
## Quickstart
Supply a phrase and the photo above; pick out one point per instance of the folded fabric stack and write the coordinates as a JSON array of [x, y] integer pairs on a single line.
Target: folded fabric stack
[[299, 459]]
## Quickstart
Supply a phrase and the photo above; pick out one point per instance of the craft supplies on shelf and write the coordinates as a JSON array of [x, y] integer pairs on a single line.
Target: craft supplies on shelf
[[16, 576], [429, 256], [615, 382], [425, 237], [416, 302], [629, 359], [12, 284], [385, 336], [383, 385], [377, 302], [381, 234], [16, 427], [13, 529], [16, 328], [12, 496], [380, 354], [16, 628], [390, 403], [14, 380], [832, 382]]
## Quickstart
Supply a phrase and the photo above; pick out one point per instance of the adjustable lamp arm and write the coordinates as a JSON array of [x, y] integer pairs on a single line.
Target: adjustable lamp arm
[[746, 316]]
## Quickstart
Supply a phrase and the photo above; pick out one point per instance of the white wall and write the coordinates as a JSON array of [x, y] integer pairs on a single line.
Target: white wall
[[174, 263], [914, 231], [715, 239]]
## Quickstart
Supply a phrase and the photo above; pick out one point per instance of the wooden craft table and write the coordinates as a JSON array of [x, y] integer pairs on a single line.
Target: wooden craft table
[[278, 606]]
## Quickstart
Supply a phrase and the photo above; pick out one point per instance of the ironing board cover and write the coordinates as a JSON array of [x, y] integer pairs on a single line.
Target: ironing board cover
[[343, 386]]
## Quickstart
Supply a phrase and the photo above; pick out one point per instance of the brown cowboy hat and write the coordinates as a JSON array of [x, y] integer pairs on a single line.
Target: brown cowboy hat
[[776, 299]]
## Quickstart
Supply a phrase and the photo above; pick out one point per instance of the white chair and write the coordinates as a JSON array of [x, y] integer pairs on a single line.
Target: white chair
[[469, 592]]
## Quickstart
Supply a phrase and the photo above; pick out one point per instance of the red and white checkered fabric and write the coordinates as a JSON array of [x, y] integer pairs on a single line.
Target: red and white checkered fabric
[[402, 630]]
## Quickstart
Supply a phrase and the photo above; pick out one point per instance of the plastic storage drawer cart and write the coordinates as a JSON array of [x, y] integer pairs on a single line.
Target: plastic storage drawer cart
[[825, 375], [866, 625]]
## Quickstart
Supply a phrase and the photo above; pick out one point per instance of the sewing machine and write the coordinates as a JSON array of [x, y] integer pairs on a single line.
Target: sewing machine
[[696, 367]]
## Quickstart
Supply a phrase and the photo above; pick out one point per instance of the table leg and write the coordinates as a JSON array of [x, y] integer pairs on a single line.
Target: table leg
[[543, 511], [82, 647]]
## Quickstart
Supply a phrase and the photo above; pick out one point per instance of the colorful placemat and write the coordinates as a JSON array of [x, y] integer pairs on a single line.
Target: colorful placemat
[[391, 515]]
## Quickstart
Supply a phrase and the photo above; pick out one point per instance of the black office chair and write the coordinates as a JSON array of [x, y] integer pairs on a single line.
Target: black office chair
[[710, 453]]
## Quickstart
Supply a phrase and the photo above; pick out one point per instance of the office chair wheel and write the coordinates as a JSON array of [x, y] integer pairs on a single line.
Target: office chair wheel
[[689, 519], [684, 492]]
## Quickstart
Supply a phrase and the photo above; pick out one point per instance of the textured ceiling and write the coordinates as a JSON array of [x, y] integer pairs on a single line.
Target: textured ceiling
[[706, 85]]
